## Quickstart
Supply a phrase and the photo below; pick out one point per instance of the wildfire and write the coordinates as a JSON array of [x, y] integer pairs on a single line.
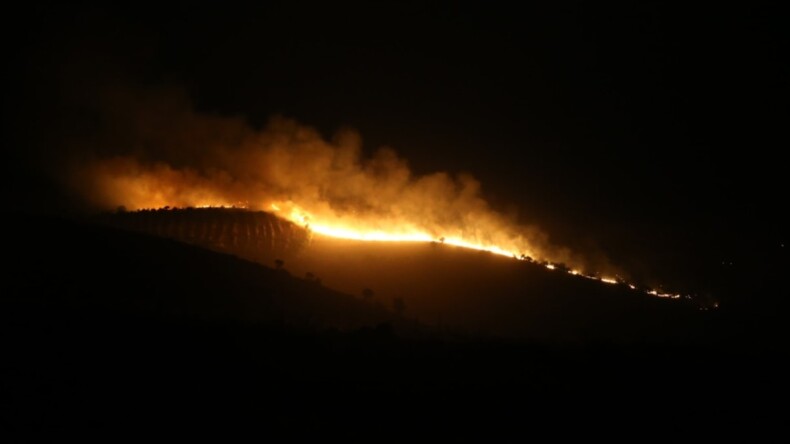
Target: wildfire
[[405, 233], [335, 188], [402, 233], [392, 232]]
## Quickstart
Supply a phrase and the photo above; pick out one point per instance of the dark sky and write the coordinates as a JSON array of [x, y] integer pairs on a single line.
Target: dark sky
[[651, 132]]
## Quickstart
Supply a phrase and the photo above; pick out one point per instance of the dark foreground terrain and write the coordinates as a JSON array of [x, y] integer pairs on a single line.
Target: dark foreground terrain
[[103, 328]]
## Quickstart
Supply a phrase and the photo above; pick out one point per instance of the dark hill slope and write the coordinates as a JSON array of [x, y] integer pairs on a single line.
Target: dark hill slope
[[58, 261], [254, 235], [105, 329], [440, 284], [484, 292]]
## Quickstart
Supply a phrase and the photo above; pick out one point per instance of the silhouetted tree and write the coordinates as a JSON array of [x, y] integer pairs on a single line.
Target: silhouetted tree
[[367, 294], [399, 305], [279, 264], [309, 276]]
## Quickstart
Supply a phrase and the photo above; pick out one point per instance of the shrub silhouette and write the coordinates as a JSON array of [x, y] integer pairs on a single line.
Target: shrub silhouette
[[399, 305]]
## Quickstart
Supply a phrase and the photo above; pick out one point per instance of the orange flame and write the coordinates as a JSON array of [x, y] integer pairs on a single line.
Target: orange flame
[[382, 231], [327, 186], [359, 230]]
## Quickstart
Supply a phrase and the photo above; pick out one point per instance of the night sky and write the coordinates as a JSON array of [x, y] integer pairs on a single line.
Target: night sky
[[652, 133]]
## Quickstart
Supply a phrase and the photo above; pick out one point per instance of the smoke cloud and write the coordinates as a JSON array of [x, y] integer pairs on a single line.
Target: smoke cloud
[[148, 148]]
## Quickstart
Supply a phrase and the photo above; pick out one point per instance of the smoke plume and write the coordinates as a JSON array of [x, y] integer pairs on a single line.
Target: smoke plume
[[149, 148]]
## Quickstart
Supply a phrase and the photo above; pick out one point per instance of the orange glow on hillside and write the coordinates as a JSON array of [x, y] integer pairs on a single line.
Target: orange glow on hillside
[[394, 232], [391, 230], [402, 231], [330, 187]]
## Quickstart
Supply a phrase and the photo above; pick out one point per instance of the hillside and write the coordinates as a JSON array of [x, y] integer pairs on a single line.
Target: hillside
[[440, 284], [103, 328], [68, 262]]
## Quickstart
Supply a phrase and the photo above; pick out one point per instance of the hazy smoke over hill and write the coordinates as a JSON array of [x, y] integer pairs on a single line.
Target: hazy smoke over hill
[[147, 148]]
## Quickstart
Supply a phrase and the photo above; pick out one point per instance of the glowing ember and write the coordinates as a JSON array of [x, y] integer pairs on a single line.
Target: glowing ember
[[663, 295], [608, 280]]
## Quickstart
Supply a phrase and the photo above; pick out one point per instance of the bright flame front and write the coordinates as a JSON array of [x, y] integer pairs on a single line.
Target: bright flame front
[[366, 233], [402, 233]]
